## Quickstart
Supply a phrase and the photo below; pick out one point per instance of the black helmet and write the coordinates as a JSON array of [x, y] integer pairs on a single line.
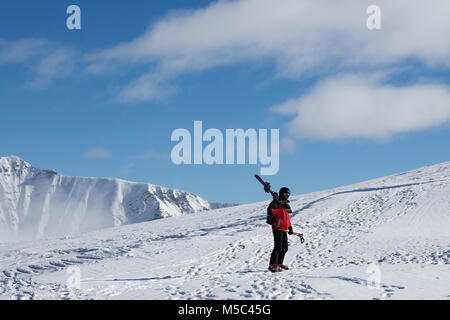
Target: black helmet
[[284, 190]]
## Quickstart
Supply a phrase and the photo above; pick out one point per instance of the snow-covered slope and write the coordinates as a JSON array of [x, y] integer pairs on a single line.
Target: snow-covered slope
[[383, 239], [36, 203]]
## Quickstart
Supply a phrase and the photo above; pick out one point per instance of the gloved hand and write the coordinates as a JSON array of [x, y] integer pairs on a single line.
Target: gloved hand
[[291, 231]]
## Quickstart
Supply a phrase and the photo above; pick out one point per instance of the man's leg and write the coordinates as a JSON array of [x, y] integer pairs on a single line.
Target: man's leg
[[284, 247], [277, 247]]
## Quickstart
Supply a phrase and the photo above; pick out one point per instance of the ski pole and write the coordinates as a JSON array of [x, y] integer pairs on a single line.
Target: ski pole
[[300, 235]]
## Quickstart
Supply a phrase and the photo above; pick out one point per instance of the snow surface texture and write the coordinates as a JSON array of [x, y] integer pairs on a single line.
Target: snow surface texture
[[37, 203], [383, 239]]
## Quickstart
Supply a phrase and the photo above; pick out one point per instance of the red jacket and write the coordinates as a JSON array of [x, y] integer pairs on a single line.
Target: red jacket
[[282, 219]]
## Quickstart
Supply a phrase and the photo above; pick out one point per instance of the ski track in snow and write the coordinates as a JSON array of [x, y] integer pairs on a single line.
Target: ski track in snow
[[399, 222]]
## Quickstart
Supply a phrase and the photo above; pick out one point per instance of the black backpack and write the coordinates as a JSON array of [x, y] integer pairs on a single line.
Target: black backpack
[[270, 218]]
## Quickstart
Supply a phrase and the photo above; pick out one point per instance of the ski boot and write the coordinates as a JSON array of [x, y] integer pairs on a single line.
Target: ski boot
[[276, 268]]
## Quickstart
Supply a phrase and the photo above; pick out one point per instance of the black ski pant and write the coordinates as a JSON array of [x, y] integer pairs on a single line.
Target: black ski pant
[[280, 248]]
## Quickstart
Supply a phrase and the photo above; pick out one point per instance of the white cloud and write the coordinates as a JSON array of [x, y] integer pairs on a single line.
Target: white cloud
[[97, 153], [46, 60], [360, 107], [57, 64], [20, 51], [299, 36], [147, 87]]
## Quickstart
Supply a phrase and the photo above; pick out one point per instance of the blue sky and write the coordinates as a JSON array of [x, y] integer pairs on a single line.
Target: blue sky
[[351, 104]]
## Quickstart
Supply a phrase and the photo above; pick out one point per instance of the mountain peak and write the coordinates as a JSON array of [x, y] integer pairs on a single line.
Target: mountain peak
[[13, 164], [11, 158], [35, 203]]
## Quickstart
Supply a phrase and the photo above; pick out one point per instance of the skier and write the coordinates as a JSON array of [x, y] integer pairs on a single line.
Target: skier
[[278, 214], [278, 217]]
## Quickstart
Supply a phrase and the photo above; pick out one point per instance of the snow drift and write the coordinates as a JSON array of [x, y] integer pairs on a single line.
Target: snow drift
[[36, 203]]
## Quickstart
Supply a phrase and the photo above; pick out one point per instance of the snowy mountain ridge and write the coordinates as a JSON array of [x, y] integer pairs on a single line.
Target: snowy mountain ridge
[[36, 203]]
